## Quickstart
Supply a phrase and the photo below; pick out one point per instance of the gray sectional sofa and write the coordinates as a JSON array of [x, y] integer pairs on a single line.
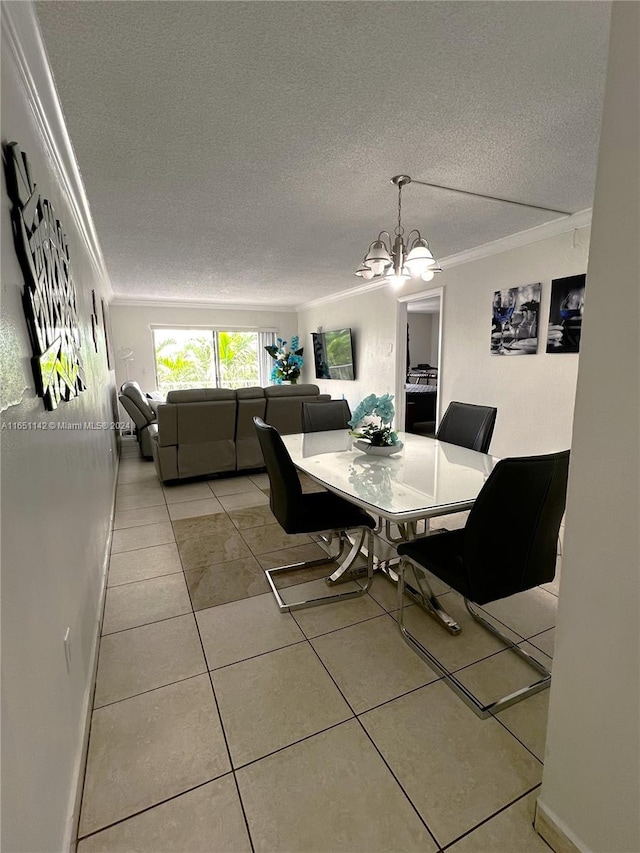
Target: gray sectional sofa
[[210, 430], [143, 412]]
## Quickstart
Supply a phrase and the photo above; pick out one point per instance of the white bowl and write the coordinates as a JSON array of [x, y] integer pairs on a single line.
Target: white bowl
[[387, 450]]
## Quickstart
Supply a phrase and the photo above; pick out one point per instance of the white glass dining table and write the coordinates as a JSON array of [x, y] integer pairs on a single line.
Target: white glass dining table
[[427, 478]]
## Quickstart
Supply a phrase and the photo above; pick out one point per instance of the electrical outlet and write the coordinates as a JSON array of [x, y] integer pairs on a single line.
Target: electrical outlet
[[67, 649]]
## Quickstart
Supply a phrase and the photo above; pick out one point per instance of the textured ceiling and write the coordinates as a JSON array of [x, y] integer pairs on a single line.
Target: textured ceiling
[[240, 152]]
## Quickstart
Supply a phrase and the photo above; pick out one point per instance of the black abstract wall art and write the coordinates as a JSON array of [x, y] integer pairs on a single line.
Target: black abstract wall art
[[94, 320], [49, 297], [106, 325], [565, 313], [514, 320]]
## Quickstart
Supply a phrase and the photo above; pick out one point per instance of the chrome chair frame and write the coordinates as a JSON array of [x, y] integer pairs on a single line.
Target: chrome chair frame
[[432, 605], [530, 492], [356, 550], [314, 515]]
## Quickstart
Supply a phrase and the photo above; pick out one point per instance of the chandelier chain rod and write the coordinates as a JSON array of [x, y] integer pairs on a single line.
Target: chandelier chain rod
[[492, 197]]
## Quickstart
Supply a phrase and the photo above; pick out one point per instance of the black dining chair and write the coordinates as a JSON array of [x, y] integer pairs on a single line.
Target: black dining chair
[[468, 425], [319, 416], [523, 499], [316, 512]]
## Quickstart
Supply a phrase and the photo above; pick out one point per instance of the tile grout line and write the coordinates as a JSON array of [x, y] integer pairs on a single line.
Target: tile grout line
[[490, 817], [151, 689], [152, 806], [504, 726], [153, 621], [140, 580]]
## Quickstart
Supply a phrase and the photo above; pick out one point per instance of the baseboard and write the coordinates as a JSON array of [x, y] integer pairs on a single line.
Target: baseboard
[[73, 820], [556, 834]]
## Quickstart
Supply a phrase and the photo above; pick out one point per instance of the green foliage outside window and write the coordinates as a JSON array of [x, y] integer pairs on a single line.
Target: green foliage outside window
[[204, 359]]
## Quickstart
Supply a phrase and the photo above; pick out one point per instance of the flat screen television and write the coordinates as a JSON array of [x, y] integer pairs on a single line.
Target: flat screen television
[[333, 354]]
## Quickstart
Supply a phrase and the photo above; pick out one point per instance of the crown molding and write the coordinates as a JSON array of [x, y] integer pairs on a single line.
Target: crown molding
[[581, 219], [21, 35], [123, 302]]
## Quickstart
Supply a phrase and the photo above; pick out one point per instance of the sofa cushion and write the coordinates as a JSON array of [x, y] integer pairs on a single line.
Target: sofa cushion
[[248, 453], [206, 457], [284, 406], [250, 393], [302, 390], [201, 395], [167, 424], [206, 437], [204, 422]]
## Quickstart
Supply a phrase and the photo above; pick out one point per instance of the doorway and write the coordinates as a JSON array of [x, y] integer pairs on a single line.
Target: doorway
[[419, 361]]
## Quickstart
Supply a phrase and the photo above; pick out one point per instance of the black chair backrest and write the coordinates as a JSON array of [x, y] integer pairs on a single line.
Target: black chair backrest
[[468, 425], [332, 414], [286, 491], [511, 535]]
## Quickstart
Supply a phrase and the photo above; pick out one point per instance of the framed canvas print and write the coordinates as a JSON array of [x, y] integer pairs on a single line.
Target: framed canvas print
[[514, 320], [106, 324], [565, 313]]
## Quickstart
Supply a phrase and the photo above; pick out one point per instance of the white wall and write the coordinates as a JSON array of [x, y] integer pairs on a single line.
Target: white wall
[[434, 355], [591, 781], [421, 338], [57, 492], [132, 329], [372, 322], [534, 394]]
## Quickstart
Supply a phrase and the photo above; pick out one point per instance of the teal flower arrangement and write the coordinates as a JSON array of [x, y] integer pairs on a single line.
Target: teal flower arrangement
[[288, 361], [376, 413]]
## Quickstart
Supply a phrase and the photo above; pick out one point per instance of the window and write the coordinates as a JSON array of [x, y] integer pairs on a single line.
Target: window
[[203, 358]]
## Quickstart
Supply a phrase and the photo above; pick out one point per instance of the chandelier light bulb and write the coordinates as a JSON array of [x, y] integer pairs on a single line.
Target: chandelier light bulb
[[427, 275], [420, 258], [397, 279], [364, 272]]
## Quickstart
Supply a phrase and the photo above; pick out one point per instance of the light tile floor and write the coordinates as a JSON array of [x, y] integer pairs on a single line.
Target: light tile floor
[[220, 724]]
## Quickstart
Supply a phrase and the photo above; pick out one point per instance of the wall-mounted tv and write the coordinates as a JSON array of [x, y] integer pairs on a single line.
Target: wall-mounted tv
[[333, 354]]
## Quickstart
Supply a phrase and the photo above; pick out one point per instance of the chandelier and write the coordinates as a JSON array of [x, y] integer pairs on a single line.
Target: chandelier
[[396, 261]]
